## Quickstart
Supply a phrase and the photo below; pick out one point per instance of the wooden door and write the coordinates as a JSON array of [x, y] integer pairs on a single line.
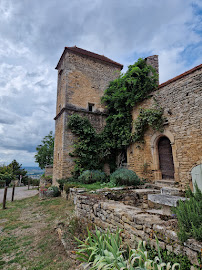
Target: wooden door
[[166, 158]]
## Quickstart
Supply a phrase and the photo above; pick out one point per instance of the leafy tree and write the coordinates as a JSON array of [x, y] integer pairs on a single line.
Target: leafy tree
[[45, 150], [17, 170], [6, 175], [12, 172]]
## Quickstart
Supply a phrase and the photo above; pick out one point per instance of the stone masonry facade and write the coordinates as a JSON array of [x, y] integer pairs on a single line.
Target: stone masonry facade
[[181, 100], [82, 78], [137, 224]]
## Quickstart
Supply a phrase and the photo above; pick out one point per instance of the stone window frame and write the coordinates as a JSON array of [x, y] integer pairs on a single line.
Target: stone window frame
[[91, 107]]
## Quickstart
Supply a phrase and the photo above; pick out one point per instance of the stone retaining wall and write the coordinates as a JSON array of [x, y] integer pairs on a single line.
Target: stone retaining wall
[[137, 224]]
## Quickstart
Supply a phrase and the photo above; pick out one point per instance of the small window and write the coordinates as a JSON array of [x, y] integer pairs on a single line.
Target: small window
[[60, 72], [90, 107]]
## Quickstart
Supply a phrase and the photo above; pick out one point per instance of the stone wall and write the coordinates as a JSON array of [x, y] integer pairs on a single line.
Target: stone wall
[[137, 224], [153, 61], [81, 80], [49, 170], [181, 100]]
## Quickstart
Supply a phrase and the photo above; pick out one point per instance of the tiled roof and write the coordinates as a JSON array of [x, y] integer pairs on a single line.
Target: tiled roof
[[89, 54], [180, 76]]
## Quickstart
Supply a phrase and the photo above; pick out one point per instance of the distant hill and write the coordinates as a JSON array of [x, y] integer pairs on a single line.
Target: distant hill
[[34, 172]]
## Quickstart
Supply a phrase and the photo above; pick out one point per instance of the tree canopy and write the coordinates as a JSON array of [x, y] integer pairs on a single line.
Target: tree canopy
[[12, 172], [45, 150]]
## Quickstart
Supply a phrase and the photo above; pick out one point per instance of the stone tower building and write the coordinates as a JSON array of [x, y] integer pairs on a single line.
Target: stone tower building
[[82, 78], [174, 155]]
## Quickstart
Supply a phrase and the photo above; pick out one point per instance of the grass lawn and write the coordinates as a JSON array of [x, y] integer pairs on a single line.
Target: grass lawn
[[28, 239]]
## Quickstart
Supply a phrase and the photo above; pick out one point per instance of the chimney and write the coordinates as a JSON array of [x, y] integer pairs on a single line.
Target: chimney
[[154, 62]]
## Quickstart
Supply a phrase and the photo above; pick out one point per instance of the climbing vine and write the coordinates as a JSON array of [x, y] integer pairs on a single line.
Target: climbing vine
[[121, 96], [92, 150], [88, 151], [147, 118]]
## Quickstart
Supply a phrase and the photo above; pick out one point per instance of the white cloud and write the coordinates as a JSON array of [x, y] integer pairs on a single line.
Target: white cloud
[[34, 33], [23, 157], [171, 63]]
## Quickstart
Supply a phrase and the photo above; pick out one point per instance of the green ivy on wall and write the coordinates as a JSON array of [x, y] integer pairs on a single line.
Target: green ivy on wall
[[88, 151], [120, 98], [92, 150], [147, 118]]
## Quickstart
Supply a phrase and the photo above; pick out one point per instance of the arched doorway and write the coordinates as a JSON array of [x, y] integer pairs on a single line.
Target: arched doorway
[[165, 158]]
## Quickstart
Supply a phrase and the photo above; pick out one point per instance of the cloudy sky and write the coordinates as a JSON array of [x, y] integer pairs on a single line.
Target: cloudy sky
[[33, 34]]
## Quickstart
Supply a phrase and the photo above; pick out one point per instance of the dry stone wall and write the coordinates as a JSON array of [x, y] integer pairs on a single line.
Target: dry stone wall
[[137, 224]]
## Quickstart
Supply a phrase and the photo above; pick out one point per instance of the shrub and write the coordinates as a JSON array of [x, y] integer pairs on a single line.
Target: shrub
[[86, 177], [55, 190], [89, 177], [62, 182], [48, 179], [34, 182], [123, 176], [168, 256], [67, 187], [189, 215], [99, 176]]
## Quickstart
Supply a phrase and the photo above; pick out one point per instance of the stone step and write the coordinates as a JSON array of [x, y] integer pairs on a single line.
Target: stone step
[[165, 182], [163, 199], [171, 191], [151, 186]]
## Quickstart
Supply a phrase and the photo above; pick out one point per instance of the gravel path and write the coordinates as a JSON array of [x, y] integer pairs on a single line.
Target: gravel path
[[20, 193]]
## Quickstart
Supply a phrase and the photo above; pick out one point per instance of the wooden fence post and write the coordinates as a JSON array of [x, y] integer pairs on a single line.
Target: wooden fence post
[[4, 199], [13, 192]]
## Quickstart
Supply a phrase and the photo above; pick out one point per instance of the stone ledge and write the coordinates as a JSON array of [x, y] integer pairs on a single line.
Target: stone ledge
[[164, 199]]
